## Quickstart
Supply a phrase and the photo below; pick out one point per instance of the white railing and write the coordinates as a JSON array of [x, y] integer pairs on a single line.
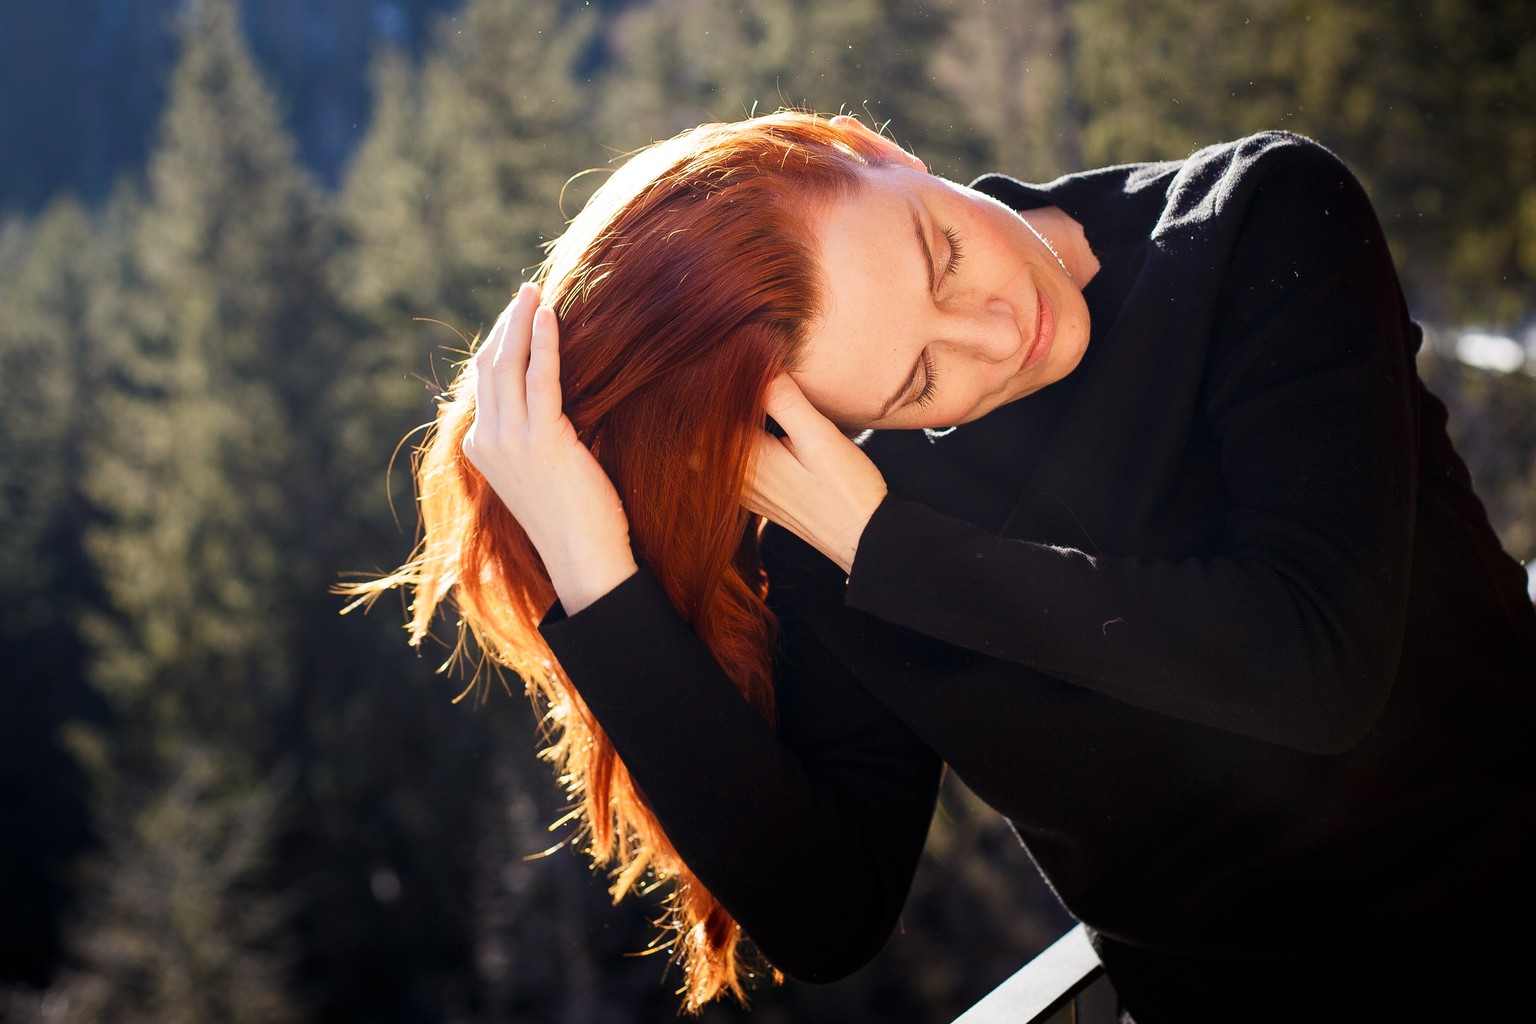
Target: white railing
[[1042, 989]]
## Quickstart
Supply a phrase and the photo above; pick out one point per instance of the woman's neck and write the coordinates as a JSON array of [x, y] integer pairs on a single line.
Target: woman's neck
[[1064, 234]]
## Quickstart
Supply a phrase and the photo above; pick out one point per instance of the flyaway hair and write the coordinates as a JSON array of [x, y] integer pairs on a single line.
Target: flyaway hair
[[682, 288]]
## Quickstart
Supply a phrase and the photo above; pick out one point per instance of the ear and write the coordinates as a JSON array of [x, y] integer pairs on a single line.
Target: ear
[[855, 126]]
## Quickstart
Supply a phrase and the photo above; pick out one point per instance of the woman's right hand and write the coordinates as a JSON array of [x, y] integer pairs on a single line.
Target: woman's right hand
[[527, 449]]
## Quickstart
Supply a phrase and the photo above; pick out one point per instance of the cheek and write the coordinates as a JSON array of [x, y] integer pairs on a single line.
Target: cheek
[[1072, 340], [969, 395]]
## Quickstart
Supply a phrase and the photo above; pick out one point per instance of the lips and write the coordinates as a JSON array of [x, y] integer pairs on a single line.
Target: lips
[[1045, 332]]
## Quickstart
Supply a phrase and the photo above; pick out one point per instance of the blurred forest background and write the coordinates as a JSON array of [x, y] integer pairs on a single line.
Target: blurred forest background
[[221, 801]]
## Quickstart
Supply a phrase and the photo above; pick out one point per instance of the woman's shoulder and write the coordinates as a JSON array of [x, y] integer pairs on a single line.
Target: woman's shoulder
[[1216, 186], [1259, 153], [1209, 189]]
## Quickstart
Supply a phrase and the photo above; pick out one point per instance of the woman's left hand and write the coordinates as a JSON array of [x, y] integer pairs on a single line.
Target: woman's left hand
[[814, 481]]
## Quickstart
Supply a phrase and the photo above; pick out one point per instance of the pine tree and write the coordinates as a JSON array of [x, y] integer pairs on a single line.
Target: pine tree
[[459, 179], [451, 193], [1428, 102], [678, 63], [1012, 66], [51, 373], [202, 542], [200, 550], [454, 187]]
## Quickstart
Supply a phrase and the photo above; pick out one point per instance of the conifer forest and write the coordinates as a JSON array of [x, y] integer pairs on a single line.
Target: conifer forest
[[241, 247]]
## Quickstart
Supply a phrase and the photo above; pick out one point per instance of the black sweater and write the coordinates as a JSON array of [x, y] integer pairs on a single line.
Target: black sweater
[[1216, 621]]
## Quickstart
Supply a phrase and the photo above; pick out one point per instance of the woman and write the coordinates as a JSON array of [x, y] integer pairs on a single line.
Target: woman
[[1213, 616]]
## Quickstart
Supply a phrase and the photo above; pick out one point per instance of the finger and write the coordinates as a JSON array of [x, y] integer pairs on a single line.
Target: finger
[[754, 496], [486, 406], [511, 353], [765, 448], [510, 364], [789, 407], [544, 369]]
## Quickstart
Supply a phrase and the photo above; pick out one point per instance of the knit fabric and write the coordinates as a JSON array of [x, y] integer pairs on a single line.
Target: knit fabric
[[1216, 621]]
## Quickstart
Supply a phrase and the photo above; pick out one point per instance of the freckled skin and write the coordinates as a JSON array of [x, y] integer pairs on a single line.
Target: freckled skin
[[1009, 320]]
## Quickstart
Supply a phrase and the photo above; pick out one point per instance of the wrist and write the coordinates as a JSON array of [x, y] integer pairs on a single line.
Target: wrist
[[578, 582], [845, 545]]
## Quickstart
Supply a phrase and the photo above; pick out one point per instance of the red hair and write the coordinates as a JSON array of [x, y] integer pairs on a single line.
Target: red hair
[[682, 288]]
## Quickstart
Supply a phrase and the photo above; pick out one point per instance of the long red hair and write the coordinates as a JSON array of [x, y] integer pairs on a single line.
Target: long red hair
[[683, 288]]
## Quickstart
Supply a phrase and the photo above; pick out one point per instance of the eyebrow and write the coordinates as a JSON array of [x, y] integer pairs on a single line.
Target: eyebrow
[[922, 245], [933, 286]]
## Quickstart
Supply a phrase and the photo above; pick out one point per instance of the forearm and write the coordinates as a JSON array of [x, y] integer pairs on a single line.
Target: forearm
[[808, 835], [1223, 641]]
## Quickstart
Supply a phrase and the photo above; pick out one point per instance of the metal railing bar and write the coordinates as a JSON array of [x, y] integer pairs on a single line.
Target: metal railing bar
[[1042, 986]]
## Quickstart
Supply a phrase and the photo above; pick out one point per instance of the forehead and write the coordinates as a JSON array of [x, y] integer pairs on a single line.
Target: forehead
[[874, 285]]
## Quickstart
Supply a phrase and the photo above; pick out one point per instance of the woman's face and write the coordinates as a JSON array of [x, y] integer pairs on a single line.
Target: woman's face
[[941, 305]]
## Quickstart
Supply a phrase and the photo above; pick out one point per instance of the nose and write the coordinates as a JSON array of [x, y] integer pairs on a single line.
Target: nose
[[989, 331]]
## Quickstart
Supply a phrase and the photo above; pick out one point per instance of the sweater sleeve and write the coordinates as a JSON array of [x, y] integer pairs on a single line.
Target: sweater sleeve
[[1290, 629], [809, 833]]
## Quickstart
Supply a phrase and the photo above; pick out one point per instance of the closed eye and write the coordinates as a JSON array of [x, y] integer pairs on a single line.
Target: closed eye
[[955, 254], [930, 381]]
